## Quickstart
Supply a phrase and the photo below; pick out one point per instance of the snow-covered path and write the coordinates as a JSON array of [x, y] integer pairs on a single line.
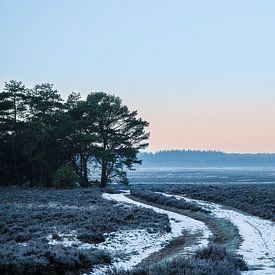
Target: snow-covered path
[[139, 244], [258, 245]]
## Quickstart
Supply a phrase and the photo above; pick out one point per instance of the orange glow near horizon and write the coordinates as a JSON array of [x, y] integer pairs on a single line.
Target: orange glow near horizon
[[204, 131], [211, 115]]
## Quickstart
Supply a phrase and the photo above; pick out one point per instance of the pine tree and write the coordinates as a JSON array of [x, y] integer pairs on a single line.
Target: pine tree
[[120, 136]]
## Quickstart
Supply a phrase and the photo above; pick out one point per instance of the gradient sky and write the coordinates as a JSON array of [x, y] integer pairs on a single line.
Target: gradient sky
[[201, 72]]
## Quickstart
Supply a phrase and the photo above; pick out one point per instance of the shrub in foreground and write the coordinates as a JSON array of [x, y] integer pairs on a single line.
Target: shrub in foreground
[[218, 253], [43, 259], [207, 261]]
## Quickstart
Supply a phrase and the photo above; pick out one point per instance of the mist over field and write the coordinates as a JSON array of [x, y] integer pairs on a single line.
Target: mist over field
[[203, 167], [192, 158]]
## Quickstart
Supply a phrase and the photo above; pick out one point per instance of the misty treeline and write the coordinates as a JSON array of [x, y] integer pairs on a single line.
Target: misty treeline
[[196, 158], [40, 134]]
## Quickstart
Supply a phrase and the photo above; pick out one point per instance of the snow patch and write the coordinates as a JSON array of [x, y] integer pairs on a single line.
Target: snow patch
[[136, 245]]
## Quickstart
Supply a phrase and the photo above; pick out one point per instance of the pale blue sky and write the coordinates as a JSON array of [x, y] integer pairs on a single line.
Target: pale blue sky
[[202, 72]]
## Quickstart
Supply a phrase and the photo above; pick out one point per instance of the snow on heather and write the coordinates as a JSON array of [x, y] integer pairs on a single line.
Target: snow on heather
[[258, 245], [130, 247], [136, 245], [178, 222]]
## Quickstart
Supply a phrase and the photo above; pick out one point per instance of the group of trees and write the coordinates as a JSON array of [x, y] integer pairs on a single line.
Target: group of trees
[[40, 133]]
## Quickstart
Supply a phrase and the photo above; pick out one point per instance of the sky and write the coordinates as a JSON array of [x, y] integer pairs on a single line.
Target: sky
[[201, 72]]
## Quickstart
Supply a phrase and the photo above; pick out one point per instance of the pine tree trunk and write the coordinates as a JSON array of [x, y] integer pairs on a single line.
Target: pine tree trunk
[[85, 173], [104, 178], [42, 165], [16, 177]]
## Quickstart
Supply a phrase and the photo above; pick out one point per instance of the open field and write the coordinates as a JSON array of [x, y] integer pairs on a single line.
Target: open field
[[202, 175], [156, 228], [249, 189]]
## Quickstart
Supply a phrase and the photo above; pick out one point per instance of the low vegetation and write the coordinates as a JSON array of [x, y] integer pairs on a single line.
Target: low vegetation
[[41, 258], [29, 217], [91, 238], [65, 177], [258, 200], [150, 196], [214, 260]]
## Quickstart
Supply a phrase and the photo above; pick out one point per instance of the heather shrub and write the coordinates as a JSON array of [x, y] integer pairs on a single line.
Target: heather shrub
[[65, 177], [258, 200], [166, 201], [22, 237], [182, 266], [217, 253], [206, 262], [91, 237], [39, 258]]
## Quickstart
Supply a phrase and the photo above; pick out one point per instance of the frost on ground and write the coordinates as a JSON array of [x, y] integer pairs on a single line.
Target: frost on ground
[[73, 218], [126, 246], [258, 245], [53, 205], [130, 247]]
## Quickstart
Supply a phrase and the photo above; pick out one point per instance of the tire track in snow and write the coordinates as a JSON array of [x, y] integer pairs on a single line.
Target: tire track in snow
[[260, 234]]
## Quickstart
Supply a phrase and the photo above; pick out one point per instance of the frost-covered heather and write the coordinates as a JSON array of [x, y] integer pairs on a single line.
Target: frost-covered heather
[[166, 201], [212, 260], [125, 246], [255, 199], [85, 230], [35, 225], [142, 244]]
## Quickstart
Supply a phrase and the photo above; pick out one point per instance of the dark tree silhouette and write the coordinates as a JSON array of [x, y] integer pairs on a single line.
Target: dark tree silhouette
[[81, 137], [12, 112], [120, 136], [40, 134]]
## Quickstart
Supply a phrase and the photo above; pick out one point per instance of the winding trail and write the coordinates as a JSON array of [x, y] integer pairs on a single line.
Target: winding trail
[[258, 245], [145, 246]]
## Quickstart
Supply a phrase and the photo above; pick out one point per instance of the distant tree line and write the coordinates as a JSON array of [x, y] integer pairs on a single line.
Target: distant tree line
[[196, 158], [41, 134]]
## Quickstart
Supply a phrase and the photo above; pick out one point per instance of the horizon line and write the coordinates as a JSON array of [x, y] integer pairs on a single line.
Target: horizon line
[[206, 151]]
